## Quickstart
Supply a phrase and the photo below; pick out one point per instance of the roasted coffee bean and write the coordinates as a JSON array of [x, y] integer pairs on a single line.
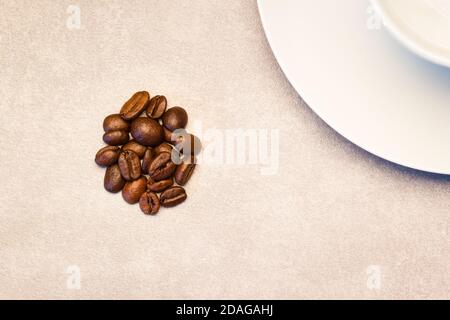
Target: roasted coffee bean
[[107, 156], [163, 147], [156, 107], [130, 165], [175, 118], [136, 147], [160, 140], [113, 181], [133, 190], [162, 167], [147, 160], [147, 132], [188, 144], [115, 122], [172, 197], [135, 105], [149, 203], [184, 171], [167, 135], [117, 137], [159, 186]]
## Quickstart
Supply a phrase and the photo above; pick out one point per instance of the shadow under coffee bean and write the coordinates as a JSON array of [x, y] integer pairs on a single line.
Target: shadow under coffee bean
[[146, 169]]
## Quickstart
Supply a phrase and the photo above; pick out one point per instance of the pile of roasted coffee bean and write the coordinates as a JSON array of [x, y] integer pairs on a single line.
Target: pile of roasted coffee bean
[[160, 152]]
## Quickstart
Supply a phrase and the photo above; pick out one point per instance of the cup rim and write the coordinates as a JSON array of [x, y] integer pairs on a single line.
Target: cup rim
[[406, 40]]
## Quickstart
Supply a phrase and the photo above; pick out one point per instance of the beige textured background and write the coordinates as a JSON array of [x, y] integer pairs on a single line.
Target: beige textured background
[[311, 231]]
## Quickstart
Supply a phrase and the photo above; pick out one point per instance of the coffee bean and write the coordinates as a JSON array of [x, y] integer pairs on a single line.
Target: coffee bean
[[160, 140], [172, 197], [107, 156], [167, 147], [184, 171], [149, 203], [115, 122], [163, 147], [116, 137], [175, 118], [167, 135], [147, 131], [136, 147], [156, 107], [159, 186], [188, 143], [133, 190], [113, 181], [135, 105], [162, 167], [147, 160], [130, 165]]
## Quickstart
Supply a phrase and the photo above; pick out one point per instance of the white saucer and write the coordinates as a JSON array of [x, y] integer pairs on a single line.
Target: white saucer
[[423, 26], [361, 82]]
